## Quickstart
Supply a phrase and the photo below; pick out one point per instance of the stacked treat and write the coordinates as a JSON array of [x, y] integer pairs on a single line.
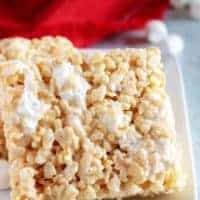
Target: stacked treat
[[82, 125]]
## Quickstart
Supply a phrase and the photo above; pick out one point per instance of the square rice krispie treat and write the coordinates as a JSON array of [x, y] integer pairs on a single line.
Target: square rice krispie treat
[[84, 127]]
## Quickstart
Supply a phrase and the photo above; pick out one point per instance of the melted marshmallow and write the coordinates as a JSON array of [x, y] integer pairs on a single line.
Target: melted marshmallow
[[71, 85], [30, 109], [164, 150], [114, 117], [130, 141], [61, 73]]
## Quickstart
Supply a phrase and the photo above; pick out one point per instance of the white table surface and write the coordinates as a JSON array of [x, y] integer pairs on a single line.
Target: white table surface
[[190, 67]]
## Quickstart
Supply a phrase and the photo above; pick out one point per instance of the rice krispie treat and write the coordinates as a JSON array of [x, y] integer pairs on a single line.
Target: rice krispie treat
[[88, 126]]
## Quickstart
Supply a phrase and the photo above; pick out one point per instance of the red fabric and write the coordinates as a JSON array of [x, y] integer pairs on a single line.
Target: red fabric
[[84, 22]]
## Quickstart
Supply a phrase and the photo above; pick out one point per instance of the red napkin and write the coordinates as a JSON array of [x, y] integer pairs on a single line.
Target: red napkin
[[84, 22]]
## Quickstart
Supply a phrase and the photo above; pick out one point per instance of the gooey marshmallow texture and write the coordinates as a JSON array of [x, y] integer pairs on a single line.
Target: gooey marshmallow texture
[[113, 118], [71, 85], [73, 88], [30, 109]]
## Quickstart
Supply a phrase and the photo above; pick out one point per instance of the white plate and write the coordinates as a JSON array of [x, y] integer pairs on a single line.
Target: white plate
[[175, 88], [176, 91]]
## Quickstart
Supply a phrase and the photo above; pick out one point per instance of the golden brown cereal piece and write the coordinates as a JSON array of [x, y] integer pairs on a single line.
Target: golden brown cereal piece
[[3, 151]]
